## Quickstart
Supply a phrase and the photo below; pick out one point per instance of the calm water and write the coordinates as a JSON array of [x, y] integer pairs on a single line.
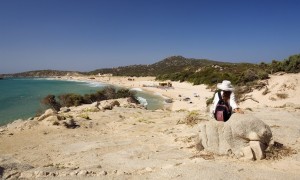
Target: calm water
[[20, 98]]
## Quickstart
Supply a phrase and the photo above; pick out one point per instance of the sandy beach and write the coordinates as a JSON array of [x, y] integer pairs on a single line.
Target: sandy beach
[[197, 95], [133, 143]]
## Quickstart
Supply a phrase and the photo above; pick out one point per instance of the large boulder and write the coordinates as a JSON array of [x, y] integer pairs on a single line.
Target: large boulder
[[242, 136]]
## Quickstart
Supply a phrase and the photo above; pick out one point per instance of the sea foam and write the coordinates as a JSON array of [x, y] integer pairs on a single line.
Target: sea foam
[[95, 84]]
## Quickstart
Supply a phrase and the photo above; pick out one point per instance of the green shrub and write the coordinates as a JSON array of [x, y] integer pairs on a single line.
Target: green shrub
[[292, 64], [70, 99], [89, 98], [122, 93], [109, 92], [51, 102]]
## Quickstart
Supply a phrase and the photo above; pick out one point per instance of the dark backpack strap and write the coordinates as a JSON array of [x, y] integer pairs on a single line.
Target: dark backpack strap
[[220, 97]]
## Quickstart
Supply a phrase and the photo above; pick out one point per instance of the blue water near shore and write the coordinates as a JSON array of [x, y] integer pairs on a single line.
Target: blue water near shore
[[20, 97]]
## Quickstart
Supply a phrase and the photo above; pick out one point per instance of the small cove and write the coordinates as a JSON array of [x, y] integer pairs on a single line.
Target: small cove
[[20, 97]]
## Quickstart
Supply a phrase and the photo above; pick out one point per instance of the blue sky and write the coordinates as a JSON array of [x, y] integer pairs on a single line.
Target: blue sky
[[89, 34]]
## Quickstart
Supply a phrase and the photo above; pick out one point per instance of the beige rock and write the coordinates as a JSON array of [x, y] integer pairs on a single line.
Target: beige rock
[[49, 121], [247, 153], [258, 148], [234, 135], [48, 112]]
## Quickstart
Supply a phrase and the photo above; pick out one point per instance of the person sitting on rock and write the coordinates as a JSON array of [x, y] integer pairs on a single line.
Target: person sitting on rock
[[224, 103]]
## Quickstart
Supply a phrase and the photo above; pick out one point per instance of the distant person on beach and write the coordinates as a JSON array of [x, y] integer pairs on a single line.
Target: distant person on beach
[[224, 103]]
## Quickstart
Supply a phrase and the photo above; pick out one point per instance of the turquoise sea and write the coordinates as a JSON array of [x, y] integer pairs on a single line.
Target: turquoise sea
[[20, 97]]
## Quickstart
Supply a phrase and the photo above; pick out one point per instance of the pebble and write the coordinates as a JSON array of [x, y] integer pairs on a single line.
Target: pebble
[[148, 169], [102, 173], [82, 172], [74, 173]]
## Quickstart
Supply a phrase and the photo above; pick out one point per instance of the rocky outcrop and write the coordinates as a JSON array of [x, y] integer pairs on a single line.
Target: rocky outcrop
[[70, 124], [110, 105], [242, 136], [11, 168], [48, 113]]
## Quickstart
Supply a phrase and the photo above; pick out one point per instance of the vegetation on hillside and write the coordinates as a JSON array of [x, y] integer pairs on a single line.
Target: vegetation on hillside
[[238, 74], [166, 66], [210, 75], [196, 71], [290, 65], [44, 73]]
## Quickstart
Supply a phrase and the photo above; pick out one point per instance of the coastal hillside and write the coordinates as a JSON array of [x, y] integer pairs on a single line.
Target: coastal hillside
[[196, 71], [165, 66], [203, 71], [238, 73], [43, 73]]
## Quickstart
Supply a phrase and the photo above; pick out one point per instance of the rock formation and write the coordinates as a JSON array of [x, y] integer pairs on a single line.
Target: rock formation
[[242, 136]]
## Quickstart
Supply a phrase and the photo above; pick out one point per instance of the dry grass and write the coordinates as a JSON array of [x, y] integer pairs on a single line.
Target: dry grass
[[142, 120], [282, 95], [204, 155], [84, 116], [266, 91], [55, 123], [191, 119], [278, 151]]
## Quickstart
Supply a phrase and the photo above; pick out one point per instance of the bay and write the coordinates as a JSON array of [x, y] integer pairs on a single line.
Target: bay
[[20, 97]]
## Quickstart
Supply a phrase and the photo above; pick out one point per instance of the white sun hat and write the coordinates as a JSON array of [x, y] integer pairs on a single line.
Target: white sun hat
[[225, 86]]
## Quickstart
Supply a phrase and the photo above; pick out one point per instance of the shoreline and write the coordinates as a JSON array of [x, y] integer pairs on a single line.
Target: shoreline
[[86, 82], [184, 95], [130, 142]]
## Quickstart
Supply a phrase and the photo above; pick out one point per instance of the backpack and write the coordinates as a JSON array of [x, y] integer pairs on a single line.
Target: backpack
[[222, 111]]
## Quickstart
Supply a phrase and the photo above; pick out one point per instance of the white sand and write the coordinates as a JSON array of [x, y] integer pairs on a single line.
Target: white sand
[[184, 89], [288, 84], [129, 143]]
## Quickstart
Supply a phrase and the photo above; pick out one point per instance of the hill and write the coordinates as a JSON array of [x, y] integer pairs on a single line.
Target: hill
[[43, 73], [165, 66], [203, 71], [196, 71]]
